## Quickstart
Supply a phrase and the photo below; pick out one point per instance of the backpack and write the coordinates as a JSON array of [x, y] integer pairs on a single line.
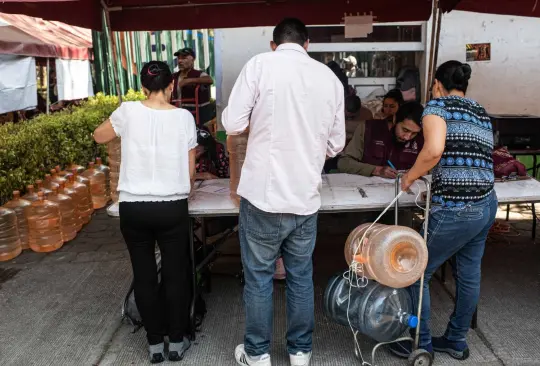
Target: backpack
[[132, 315], [408, 81]]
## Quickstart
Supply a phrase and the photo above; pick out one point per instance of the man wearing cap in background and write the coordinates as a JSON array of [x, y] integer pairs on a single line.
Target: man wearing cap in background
[[186, 81]]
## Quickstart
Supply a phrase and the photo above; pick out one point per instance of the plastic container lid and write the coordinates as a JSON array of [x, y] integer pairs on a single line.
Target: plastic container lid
[[412, 322]]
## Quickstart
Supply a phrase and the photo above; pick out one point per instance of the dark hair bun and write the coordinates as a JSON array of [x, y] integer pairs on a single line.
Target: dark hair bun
[[156, 76], [454, 75]]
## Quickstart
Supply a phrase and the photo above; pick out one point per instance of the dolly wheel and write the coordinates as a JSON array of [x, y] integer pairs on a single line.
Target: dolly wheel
[[420, 357]]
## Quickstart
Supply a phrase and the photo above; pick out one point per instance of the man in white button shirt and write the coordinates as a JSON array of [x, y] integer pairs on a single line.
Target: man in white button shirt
[[294, 107]]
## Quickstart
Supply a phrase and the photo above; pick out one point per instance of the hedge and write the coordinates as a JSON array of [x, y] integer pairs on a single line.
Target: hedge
[[28, 150]]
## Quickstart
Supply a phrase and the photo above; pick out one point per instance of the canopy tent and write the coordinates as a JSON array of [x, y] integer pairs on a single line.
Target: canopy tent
[[526, 8], [28, 36], [132, 15]]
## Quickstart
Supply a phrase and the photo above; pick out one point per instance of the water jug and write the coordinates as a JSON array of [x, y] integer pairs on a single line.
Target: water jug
[[84, 199], [379, 312], [10, 243], [56, 178], [41, 188], [236, 146], [48, 183], [62, 173], [114, 150], [82, 179], [67, 210], [20, 206], [44, 225], [30, 195], [107, 171], [79, 168], [394, 256], [97, 186], [77, 213]]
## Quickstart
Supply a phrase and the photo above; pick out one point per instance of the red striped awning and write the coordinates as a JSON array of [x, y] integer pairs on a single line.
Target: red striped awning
[[28, 36]]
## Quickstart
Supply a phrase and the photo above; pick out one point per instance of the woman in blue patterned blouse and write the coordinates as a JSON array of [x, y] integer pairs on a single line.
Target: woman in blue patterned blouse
[[458, 147]]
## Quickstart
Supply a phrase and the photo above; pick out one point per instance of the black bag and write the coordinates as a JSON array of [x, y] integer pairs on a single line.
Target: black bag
[[131, 313], [408, 81]]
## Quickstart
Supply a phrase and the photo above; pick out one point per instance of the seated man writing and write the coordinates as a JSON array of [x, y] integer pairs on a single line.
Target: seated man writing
[[376, 150]]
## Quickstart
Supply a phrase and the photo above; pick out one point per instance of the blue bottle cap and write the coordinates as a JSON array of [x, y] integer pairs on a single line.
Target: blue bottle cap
[[412, 322]]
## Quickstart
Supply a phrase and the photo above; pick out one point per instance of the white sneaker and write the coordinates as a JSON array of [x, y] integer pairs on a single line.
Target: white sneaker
[[300, 359], [243, 359]]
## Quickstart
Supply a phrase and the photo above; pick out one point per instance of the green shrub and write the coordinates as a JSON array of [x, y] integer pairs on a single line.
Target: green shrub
[[28, 150]]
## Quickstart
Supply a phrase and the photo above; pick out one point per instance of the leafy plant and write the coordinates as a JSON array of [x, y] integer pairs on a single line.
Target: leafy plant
[[28, 150]]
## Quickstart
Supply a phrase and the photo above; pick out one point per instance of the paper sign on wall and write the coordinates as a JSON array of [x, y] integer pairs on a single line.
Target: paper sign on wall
[[358, 26], [478, 52]]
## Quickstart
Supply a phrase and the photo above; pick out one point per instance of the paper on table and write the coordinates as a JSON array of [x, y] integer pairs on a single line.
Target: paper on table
[[214, 189]]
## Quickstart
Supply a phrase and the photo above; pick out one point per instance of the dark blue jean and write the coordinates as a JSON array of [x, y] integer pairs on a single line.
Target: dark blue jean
[[459, 234], [263, 236]]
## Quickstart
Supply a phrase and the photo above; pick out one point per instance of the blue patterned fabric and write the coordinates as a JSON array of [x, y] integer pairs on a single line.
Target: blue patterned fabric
[[465, 172]]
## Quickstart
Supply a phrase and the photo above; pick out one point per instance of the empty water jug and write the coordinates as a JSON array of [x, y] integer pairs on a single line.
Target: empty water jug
[[48, 183], [83, 200], [379, 312], [10, 243], [69, 216], [107, 171], [79, 168], [72, 193], [62, 173], [41, 188], [114, 151], [20, 206], [56, 178], [237, 147], [394, 256], [30, 195], [44, 225], [97, 186]]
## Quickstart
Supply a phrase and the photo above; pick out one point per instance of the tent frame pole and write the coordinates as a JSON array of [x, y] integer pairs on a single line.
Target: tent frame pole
[[112, 40], [434, 47], [47, 93]]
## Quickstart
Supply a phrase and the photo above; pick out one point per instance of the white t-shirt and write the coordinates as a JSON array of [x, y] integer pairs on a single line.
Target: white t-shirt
[[155, 152]]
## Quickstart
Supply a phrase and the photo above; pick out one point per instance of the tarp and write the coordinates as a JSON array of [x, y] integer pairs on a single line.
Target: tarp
[[132, 15], [526, 8], [73, 79], [28, 36], [18, 87]]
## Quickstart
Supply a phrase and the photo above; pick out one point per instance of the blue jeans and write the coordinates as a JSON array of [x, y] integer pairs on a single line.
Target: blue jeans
[[262, 236], [459, 234]]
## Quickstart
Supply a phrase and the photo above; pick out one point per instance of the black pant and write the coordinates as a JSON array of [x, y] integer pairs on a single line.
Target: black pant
[[164, 307]]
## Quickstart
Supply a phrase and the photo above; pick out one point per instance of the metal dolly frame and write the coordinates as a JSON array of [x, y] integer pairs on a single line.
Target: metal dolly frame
[[419, 356]]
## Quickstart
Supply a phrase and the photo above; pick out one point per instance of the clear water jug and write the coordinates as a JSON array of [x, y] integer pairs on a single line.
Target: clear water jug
[[20, 206], [394, 256], [379, 312], [31, 194], [236, 146], [67, 210], [107, 171], [114, 150], [10, 243], [48, 183], [45, 225], [79, 168], [62, 173], [41, 188], [97, 186], [84, 203], [56, 178], [72, 193]]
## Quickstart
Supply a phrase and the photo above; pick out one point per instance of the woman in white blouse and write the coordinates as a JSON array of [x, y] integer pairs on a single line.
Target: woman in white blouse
[[156, 176]]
